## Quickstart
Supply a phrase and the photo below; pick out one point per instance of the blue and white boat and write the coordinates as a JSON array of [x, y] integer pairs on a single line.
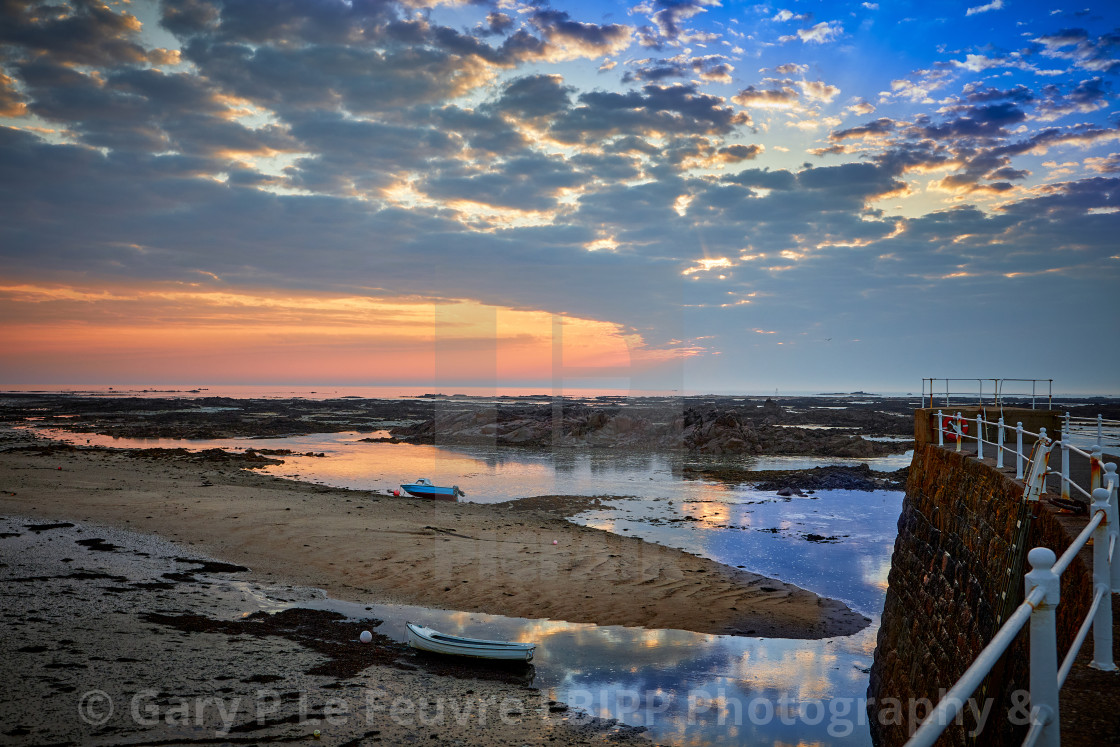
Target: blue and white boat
[[423, 488]]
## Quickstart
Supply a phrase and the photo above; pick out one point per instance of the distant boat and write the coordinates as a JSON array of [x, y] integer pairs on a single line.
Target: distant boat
[[427, 639], [423, 488]]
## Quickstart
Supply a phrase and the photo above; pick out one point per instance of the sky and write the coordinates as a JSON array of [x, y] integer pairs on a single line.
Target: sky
[[663, 195]]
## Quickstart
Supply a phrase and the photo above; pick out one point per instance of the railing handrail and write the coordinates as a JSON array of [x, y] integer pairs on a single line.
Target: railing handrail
[[1098, 419], [951, 703], [1043, 583], [1042, 593], [960, 435], [997, 394]]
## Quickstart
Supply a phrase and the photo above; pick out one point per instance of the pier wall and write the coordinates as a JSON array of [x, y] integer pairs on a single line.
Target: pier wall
[[947, 572]]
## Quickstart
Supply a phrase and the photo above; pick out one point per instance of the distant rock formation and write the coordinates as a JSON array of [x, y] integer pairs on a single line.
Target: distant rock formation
[[697, 431]]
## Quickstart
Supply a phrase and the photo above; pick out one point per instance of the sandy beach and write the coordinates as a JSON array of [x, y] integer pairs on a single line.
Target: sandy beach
[[517, 559], [160, 632]]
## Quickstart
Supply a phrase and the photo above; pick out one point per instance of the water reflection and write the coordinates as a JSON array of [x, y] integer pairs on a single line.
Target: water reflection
[[488, 475], [686, 688], [837, 543]]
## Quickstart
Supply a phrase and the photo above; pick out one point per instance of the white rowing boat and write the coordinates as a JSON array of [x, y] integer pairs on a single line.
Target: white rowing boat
[[427, 639]]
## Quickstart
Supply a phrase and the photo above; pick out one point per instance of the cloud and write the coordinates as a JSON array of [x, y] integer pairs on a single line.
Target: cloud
[[785, 15], [85, 34], [764, 178], [740, 152], [879, 128], [1109, 164], [861, 108], [573, 39], [782, 97], [921, 87], [145, 110], [865, 180], [977, 93], [1100, 54], [676, 109], [710, 68], [994, 5], [984, 121], [822, 33], [816, 90], [12, 104], [528, 183], [497, 24], [534, 96], [668, 15], [1087, 96]]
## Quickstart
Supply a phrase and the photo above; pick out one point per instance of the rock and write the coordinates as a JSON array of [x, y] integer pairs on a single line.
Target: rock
[[716, 431]]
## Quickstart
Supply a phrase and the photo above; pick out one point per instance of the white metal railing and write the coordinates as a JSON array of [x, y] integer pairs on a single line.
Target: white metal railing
[[1104, 431], [1042, 591], [996, 395], [955, 428]]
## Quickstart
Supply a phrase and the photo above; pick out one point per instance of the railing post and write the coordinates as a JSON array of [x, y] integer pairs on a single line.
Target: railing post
[[1095, 466], [1019, 450], [940, 429], [1044, 645], [1102, 580], [979, 436], [999, 444], [1100, 431], [1112, 483], [1065, 466], [960, 431]]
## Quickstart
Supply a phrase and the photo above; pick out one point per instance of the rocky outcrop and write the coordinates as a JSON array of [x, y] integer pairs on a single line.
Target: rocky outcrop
[[709, 431]]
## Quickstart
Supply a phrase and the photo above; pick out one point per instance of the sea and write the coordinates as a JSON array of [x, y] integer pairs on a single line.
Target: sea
[[333, 391]]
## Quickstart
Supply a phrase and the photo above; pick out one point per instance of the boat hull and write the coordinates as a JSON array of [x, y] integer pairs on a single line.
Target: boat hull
[[433, 641], [435, 492]]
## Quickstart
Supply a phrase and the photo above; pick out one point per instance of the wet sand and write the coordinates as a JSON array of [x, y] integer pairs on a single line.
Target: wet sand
[[112, 637], [509, 559]]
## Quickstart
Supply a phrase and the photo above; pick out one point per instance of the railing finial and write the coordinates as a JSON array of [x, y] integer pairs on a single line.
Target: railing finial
[[1041, 559]]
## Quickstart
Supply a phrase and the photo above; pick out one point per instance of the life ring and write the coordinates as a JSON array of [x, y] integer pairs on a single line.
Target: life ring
[[947, 425]]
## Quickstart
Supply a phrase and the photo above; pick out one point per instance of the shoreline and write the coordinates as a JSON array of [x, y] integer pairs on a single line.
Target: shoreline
[[359, 547]]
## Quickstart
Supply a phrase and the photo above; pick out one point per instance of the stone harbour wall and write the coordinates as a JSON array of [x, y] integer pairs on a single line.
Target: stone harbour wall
[[947, 573]]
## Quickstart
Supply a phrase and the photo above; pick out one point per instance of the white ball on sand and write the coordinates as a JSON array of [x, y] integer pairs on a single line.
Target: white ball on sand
[[366, 636]]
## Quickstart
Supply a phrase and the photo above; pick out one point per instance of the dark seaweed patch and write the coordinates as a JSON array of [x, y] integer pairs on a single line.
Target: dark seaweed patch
[[98, 544]]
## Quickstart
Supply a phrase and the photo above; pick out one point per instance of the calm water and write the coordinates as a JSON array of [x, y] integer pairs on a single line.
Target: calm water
[[487, 475], [686, 688]]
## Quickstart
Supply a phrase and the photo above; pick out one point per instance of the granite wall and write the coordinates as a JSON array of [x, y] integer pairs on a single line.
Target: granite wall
[[947, 572]]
